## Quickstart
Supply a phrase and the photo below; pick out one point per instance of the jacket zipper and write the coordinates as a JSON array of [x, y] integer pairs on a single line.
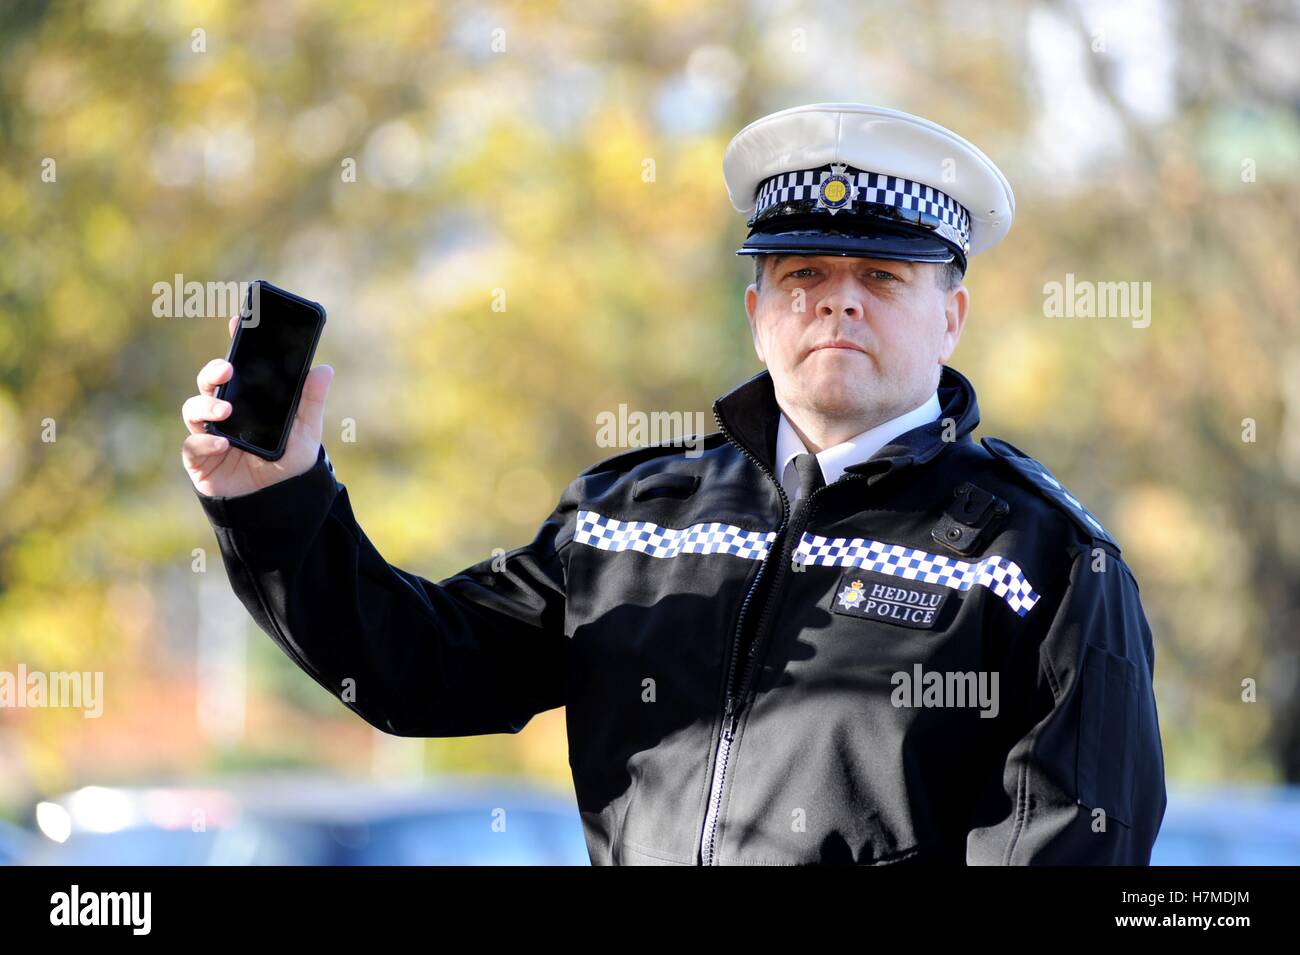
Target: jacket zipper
[[735, 701], [731, 709]]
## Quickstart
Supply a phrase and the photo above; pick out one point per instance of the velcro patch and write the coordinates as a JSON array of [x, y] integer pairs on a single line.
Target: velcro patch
[[880, 597]]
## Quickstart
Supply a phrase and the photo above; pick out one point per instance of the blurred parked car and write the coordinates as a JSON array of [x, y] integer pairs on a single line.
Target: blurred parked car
[[1230, 826], [15, 844], [311, 820]]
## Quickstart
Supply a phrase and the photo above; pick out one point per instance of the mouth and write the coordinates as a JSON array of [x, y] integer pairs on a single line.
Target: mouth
[[840, 344]]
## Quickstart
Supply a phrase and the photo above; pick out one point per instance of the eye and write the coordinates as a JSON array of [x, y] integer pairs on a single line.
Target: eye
[[803, 273], [883, 275]]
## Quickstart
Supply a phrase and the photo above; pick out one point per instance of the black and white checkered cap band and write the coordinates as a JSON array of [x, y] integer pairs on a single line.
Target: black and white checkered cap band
[[872, 187], [1000, 575]]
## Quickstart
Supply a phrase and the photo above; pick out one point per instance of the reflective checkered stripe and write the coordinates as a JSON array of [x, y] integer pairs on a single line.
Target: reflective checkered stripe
[[606, 533], [871, 187], [998, 574], [1070, 498]]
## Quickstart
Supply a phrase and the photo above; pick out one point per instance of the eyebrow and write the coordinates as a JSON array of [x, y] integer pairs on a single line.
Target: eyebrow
[[779, 257]]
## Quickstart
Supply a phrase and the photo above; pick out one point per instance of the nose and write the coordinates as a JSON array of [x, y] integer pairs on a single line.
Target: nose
[[842, 298]]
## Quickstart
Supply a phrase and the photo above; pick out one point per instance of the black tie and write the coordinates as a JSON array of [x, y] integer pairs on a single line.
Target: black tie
[[810, 474]]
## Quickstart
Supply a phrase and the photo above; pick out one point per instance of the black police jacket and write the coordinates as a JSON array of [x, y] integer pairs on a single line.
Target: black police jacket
[[939, 657]]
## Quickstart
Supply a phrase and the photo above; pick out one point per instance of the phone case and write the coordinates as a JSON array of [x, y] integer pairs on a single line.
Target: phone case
[[271, 454]]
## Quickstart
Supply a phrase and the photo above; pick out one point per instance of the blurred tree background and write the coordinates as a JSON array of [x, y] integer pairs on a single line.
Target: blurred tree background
[[564, 158]]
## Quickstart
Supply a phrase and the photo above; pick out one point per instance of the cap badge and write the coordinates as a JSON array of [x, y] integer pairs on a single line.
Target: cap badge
[[835, 191]]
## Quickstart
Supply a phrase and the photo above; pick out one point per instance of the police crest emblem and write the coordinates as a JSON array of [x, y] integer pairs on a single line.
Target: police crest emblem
[[852, 595], [835, 191]]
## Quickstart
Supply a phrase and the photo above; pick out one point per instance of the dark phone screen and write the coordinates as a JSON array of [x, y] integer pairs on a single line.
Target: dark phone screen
[[270, 353]]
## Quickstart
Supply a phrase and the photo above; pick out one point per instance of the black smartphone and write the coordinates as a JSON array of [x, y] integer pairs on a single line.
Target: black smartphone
[[271, 351]]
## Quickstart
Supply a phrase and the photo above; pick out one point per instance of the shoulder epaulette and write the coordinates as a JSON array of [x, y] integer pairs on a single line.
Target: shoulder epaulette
[[1035, 474]]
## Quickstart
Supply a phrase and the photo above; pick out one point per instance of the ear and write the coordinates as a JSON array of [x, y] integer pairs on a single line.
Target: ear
[[956, 305], [751, 310]]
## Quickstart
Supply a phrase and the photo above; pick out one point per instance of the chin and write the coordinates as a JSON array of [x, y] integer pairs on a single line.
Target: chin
[[839, 395]]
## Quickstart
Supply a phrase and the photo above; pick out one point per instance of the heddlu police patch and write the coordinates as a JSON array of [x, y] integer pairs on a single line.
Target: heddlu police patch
[[908, 603]]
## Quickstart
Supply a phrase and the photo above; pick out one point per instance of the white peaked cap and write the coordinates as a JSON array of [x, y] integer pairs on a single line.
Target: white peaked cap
[[772, 166]]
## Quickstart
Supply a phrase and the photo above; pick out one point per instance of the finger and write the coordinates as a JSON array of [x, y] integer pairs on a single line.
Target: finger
[[311, 406], [197, 448], [214, 373], [202, 408], [234, 323]]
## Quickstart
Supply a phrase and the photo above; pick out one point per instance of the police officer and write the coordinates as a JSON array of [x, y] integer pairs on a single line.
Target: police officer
[[845, 632]]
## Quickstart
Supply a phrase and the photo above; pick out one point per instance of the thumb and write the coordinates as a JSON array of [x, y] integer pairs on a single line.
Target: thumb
[[311, 407]]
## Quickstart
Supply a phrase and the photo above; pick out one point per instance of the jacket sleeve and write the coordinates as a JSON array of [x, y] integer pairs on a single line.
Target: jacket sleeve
[[1085, 784], [482, 651]]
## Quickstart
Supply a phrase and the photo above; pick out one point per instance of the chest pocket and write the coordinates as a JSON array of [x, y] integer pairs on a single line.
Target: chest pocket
[[666, 484]]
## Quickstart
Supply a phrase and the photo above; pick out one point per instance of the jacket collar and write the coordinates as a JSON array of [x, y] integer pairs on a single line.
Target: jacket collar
[[749, 415]]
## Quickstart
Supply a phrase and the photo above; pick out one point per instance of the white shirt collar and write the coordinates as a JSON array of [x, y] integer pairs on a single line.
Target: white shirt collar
[[860, 447]]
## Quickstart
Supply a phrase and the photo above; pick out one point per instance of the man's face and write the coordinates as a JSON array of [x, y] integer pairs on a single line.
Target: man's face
[[853, 339]]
